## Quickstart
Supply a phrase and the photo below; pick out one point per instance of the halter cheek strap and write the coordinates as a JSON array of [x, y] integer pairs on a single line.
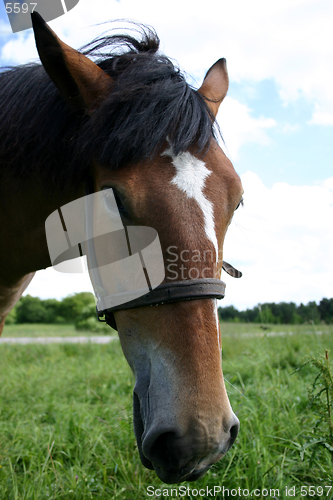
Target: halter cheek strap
[[228, 268]]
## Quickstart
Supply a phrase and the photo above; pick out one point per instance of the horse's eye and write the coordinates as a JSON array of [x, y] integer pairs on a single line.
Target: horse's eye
[[241, 203], [120, 204]]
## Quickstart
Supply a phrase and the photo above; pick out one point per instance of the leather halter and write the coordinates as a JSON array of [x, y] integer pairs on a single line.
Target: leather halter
[[167, 293]]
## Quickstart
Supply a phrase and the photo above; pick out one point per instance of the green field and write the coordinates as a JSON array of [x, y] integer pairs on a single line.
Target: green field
[[38, 330], [66, 419]]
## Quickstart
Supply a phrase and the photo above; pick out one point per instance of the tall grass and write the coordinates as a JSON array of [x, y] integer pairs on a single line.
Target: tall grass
[[66, 420]]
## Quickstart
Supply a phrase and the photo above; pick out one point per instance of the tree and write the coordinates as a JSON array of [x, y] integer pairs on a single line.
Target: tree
[[30, 310], [11, 317], [229, 313], [286, 312], [309, 312], [87, 320], [70, 307], [325, 309], [53, 311], [265, 314], [250, 315]]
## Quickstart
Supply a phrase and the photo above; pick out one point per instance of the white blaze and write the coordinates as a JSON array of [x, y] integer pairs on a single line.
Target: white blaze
[[217, 323], [191, 174]]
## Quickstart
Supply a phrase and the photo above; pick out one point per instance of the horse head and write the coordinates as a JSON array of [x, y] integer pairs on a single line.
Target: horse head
[[187, 190]]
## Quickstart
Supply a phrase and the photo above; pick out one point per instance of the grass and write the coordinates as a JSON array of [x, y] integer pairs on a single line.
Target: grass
[[39, 330], [66, 419]]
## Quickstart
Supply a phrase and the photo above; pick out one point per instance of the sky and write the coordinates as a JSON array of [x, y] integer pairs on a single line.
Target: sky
[[276, 121]]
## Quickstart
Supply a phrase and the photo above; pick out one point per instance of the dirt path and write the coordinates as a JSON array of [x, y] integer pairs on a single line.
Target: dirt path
[[96, 339]]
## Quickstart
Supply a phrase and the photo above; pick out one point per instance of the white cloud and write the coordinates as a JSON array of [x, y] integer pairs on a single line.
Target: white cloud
[[239, 127], [290, 41], [49, 283], [288, 128], [19, 50], [282, 240], [322, 116]]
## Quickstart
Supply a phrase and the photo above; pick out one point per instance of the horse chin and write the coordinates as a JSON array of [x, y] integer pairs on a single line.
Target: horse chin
[[179, 475]]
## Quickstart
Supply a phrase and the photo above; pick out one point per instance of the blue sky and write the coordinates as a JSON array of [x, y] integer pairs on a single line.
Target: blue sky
[[277, 122], [299, 152]]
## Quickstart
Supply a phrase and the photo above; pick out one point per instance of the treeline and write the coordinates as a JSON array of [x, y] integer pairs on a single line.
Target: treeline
[[79, 309], [35, 310], [283, 312]]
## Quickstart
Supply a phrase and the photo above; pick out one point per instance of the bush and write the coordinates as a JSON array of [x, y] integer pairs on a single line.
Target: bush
[[72, 306], [31, 310], [34, 310], [11, 318], [87, 320]]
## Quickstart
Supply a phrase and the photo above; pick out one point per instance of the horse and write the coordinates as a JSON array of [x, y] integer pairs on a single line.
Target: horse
[[121, 114]]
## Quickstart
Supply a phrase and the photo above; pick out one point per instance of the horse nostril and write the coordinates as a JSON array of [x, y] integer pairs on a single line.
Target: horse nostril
[[233, 433], [162, 450]]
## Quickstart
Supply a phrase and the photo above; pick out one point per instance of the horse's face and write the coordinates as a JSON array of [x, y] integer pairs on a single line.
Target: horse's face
[[183, 421], [182, 417]]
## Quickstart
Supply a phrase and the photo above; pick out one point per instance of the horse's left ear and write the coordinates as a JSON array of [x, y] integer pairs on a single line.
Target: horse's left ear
[[215, 85], [80, 81]]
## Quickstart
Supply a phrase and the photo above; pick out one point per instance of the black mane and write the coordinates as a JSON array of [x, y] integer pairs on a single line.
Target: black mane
[[151, 100]]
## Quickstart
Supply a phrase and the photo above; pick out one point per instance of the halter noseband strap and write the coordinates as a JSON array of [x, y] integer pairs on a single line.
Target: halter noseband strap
[[167, 293]]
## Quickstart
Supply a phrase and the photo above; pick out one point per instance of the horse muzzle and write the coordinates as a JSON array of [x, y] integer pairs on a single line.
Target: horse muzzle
[[178, 456]]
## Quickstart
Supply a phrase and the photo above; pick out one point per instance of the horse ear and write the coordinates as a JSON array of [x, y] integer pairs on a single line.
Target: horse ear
[[215, 85], [80, 81]]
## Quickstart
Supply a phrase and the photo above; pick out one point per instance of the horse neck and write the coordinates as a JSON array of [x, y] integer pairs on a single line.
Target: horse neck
[[9, 295], [24, 207]]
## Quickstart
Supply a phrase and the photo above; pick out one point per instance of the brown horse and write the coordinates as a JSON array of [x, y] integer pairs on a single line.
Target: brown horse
[[131, 123]]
